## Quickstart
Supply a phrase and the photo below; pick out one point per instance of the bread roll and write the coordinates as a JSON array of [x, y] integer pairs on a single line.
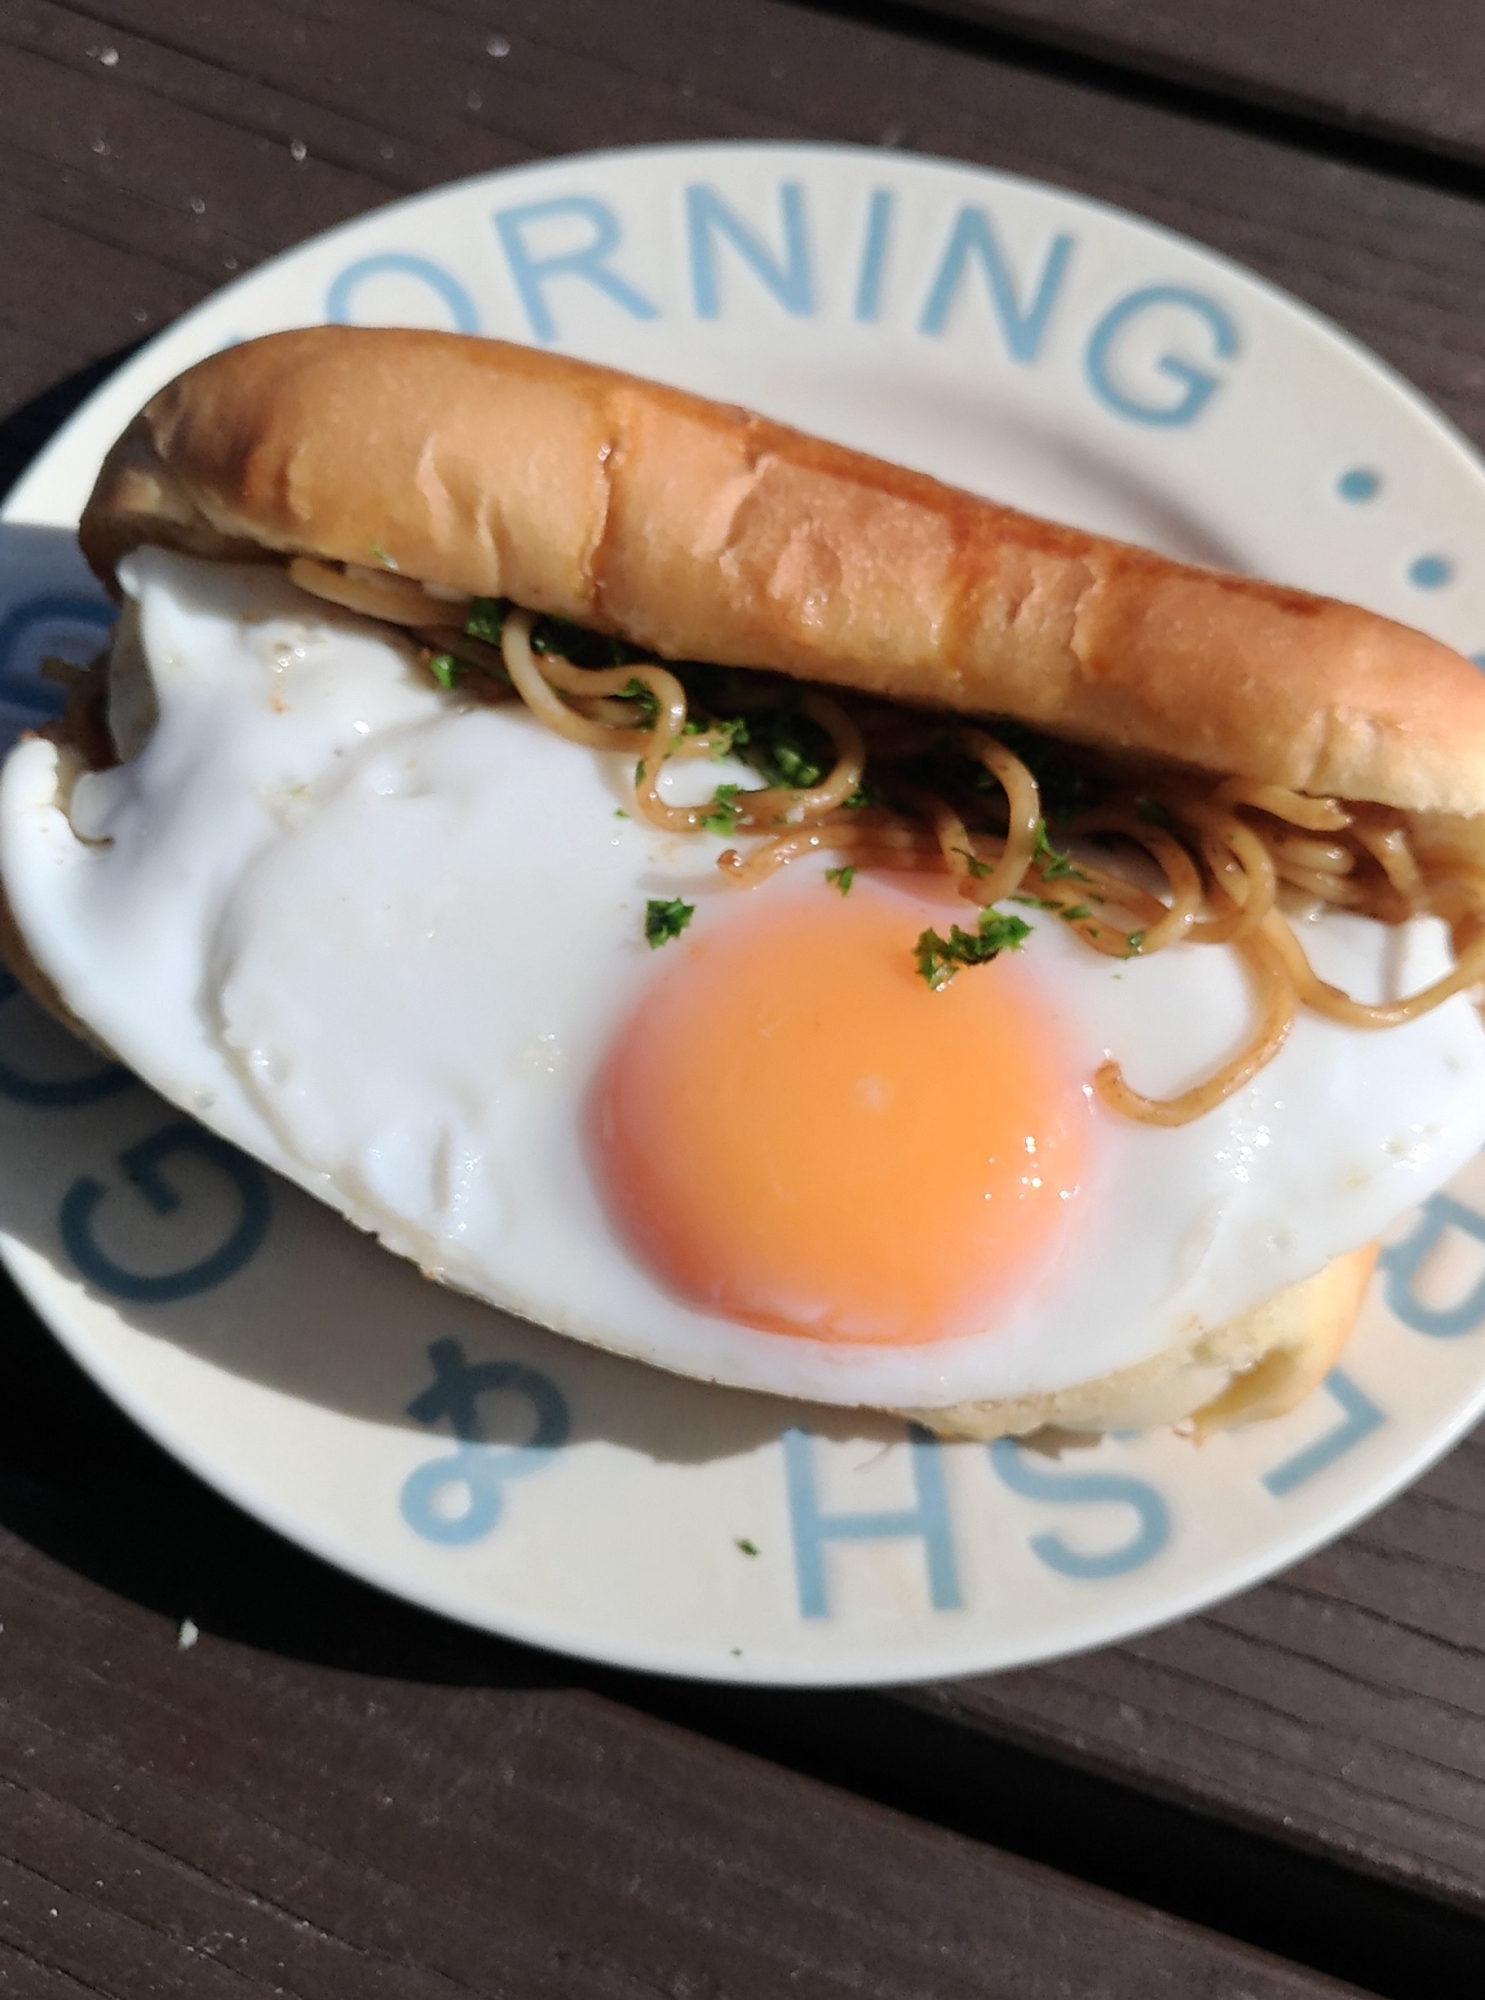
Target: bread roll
[[705, 532], [1259, 1365]]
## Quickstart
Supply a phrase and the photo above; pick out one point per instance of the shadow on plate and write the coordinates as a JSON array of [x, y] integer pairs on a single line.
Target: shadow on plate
[[321, 1314], [314, 1310], [82, 1486], [289, 1295]]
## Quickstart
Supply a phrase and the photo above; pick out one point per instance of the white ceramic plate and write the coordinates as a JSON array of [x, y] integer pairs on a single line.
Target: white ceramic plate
[[1016, 340]]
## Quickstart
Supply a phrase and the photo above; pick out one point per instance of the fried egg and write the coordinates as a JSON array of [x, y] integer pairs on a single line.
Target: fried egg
[[393, 943]]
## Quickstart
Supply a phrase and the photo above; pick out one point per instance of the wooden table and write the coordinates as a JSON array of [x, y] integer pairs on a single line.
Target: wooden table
[[331, 1795]]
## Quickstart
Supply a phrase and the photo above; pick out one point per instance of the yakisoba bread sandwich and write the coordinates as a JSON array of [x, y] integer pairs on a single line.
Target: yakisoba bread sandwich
[[754, 908]]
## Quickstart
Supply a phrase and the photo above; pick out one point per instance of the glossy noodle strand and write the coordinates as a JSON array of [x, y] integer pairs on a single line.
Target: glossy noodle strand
[[1233, 854]]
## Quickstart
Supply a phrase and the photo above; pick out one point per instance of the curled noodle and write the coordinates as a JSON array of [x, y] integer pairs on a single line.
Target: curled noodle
[[1319, 995], [1024, 813], [1181, 872], [1279, 1001], [1295, 808], [536, 685], [783, 805], [1226, 857], [396, 600]]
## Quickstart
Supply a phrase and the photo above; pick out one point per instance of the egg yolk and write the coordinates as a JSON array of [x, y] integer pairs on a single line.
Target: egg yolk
[[795, 1131]]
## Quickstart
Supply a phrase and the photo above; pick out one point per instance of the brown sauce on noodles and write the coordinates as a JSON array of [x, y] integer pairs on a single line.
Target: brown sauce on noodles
[[900, 789]]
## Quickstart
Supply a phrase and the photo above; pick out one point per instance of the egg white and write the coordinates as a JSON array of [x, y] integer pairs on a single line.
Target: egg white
[[382, 937]]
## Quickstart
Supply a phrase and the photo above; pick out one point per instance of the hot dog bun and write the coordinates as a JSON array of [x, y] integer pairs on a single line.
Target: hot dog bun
[[706, 532], [1258, 1365]]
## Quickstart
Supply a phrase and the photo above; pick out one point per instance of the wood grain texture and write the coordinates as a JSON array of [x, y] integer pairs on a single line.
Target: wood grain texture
[[331, 1796], [1344, 1703], [1412, 71], [1339, 1710], [101, 163]]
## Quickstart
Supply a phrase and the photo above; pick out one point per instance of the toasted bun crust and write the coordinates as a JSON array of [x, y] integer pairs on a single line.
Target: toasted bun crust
[[1257, 1366], [708, 533]]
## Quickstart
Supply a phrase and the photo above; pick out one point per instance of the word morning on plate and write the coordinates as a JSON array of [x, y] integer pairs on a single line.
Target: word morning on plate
[[1151, 353]]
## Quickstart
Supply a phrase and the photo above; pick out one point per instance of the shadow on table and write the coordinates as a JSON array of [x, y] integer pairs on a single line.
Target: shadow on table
[[83, 1486]]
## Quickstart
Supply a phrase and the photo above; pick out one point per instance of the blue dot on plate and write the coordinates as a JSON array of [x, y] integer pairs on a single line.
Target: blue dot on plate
[[1360, 483], [1430, 572]]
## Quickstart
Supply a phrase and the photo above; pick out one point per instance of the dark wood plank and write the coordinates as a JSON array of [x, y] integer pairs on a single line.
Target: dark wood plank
[[329, 1796], [1410, 71], [1344, 1703], [207, 106], [1334, 1710]]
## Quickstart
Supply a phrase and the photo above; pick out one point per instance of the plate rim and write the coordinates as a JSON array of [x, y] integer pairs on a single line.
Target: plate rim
[[1420, 405], [921, 1660]]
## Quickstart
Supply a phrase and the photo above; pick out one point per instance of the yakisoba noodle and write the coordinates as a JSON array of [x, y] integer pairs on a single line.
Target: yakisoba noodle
[[1227, 877]]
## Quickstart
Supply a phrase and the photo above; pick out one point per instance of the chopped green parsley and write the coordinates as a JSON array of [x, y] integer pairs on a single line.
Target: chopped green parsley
[[1153, 813], [664, 921], [731, 734], [1136, 943], [723, 816], [748, 1548], [445, 669], [842, 878], [939, 958], [644, 700], [580, 645], [486, 620], [1054, 863], [1066, 788], [788, 762], [786, 748]]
